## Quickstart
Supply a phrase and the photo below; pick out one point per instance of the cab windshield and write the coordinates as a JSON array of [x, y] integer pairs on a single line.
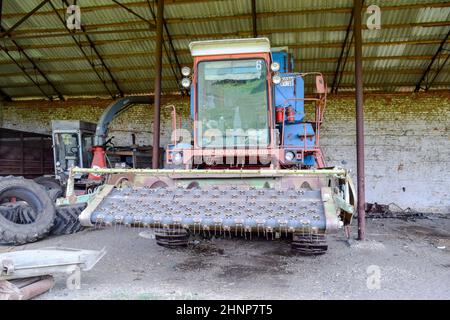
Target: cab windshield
[[232, 103]]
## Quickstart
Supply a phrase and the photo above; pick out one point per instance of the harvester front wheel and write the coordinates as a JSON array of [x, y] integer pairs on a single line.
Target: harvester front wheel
[[309, 244], [172, 238]]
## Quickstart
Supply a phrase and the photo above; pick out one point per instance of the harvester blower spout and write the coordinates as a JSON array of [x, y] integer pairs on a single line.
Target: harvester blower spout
[[110, 113]]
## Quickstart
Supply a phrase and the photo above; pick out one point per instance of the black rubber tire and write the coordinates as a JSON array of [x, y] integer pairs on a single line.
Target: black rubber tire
[[66, 221], [38, 199], [309, 244], [54, 194], [49, 183], [172, 238]]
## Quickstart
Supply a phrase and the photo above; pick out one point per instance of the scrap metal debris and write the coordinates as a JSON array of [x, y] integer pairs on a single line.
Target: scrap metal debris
[[386, 211], [26, 264], [26, 288]]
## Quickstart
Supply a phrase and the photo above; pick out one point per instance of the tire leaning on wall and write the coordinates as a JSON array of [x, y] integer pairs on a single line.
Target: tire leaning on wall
[[14, 232]]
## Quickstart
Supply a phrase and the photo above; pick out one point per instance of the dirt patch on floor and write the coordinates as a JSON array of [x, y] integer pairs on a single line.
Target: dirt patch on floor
[[425, 231], [192, 265]]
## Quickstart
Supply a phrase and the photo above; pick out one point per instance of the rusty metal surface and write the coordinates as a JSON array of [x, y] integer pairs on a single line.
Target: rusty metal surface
[[26, 288], [157, 85], [359, 118]]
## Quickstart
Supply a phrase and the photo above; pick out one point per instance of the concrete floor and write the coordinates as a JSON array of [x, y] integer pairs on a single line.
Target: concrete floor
[[413, 260]]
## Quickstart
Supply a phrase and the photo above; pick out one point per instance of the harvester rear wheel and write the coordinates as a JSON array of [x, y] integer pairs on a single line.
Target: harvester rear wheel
[[309, 244], [172, 238]]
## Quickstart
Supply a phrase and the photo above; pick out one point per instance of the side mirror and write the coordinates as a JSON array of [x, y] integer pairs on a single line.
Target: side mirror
[[320, 84]]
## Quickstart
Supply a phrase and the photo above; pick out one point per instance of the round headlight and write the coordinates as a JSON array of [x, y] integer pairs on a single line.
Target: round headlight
[[276, 79], [289, 156], [186, 71], [177, 158], [186, 82], [58, 164], [275, 66]]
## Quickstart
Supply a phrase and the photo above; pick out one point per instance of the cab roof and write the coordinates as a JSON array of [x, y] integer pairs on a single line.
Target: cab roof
[[229, 46]]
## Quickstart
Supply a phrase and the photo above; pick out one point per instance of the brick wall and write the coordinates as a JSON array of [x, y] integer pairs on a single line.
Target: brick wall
[[407, 148], [407, 139], [36, 116]]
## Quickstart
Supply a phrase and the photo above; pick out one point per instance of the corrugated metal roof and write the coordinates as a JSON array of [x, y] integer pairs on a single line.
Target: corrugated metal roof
[[395, 57]]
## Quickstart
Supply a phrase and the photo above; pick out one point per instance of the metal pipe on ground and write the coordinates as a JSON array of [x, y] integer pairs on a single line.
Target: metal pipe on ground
[[25, 289], [158, 68], [359, 118]]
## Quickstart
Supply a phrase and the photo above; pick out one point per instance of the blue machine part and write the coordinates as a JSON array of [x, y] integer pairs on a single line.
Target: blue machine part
[[297, 134], [282, 57], [294, 135], [291, 87]]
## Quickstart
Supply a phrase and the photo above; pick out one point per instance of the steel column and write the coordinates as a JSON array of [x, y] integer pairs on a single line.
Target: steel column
[[357, 31], [158, 69], [254, 25]]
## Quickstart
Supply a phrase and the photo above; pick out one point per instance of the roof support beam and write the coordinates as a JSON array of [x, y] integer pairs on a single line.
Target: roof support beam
[[151, 24], [341, 56], [340, 71], [137, 4], [99, 57], [5, 33], [35, 67], [254, 25], [93, 29], [3, 95], [84, 53], [33, 80], [23, 19], [427, 71], [315, 44]]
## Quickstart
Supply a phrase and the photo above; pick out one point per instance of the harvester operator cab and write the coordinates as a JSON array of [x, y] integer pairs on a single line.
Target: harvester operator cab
[[246, 100], [72, 144]]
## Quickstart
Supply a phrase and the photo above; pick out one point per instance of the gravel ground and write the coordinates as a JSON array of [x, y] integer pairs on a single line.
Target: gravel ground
[[411, 258]]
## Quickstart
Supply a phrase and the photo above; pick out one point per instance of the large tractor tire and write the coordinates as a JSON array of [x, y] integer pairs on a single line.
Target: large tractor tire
[[50, 184], [66, 221], [14, 229]]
